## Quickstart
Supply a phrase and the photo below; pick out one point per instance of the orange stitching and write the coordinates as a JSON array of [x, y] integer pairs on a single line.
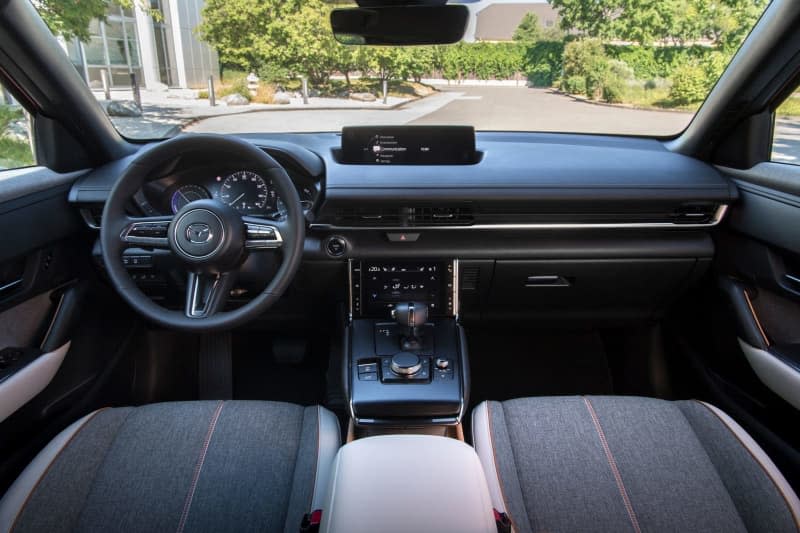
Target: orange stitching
[[617, 476], [199, 467]]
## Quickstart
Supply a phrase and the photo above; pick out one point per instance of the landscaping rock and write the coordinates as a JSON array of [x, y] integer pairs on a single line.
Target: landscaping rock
[[17, 130], [236, 99], [123, 108], [282, 98], [363, 97]]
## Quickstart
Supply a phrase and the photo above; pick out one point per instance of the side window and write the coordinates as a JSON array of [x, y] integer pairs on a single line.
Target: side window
[[786, 138], [15, 140]]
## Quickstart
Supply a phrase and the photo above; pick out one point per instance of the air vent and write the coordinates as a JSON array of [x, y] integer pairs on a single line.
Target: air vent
[[469, 278], [404, 216], [434, 216], [92, 216], [701, 213]]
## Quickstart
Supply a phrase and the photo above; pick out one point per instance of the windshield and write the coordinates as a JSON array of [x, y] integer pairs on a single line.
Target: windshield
[[159, 67]]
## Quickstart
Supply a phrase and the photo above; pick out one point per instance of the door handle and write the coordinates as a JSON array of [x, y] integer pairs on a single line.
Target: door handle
[[547, 281]]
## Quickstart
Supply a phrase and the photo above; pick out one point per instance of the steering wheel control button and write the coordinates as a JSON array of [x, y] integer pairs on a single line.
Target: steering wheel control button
[[149, 229], [336, 246], [262, 236]]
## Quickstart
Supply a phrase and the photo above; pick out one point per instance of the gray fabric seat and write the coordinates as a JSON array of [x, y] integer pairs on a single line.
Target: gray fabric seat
[[184, 466], [563, 464]]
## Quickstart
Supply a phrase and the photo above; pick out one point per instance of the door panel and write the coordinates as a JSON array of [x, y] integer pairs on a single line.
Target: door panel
[[39, 271]]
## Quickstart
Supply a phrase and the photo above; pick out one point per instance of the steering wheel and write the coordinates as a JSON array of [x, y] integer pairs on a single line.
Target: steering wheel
[[210, 238]]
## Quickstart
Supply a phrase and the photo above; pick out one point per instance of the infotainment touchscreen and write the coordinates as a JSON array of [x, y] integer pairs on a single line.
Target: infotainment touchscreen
[[408, 145]]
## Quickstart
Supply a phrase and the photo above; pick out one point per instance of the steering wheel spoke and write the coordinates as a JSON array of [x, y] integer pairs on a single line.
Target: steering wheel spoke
[[264, 234], [207, 294], [147, 232]]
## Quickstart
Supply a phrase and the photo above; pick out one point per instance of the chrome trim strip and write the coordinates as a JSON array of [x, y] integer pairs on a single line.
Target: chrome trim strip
[[455, 288], [350, 289], [10, 285], [718, 216]]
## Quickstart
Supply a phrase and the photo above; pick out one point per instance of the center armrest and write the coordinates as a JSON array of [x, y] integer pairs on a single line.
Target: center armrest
[[408, 483]]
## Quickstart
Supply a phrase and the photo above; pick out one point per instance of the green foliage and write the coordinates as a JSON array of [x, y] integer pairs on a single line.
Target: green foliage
[[587, 58], [574, 85], [71, 18], [688, 84], [14, 153], [544, 57], [484, 61], [529, 30], [613, 92], [645, 22]]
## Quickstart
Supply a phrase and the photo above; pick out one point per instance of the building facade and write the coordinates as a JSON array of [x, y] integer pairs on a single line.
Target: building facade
[[497, 20], [162, 51]]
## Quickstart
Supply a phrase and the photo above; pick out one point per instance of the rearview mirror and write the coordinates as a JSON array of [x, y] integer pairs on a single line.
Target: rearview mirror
[[405, 25]]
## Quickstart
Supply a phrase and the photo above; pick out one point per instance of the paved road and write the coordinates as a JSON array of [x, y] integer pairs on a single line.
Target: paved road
[[487, 108], [786, 143], [521, 108]]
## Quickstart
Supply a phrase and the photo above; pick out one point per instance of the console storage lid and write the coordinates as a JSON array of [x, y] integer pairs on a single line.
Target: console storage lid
[[408, 483]]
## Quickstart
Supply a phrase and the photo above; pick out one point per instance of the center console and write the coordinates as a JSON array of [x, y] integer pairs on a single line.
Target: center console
[[407, 362]]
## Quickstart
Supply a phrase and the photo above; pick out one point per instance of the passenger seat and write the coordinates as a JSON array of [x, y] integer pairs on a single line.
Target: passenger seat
[[563, 464]]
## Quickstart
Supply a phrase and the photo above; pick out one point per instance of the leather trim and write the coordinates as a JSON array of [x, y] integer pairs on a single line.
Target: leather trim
[[781, 378], [17, 496], [763, 460], [22, 386], [484, 447], [329, 439], [402, 483]]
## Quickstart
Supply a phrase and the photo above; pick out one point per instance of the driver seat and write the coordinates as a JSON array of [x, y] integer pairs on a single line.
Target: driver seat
[[182, 466]]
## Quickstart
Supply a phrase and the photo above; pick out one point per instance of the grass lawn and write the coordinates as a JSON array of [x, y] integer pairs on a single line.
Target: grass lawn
[[13, 153], [790, 107]]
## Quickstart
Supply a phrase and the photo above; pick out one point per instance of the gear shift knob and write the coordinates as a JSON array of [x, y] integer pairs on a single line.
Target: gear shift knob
[[411, 315]]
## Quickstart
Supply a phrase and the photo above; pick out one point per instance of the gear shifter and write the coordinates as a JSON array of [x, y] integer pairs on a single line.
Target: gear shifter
[[412, 316]]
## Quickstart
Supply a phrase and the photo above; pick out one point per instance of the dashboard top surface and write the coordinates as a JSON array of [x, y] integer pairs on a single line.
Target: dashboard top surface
[[545, 166]]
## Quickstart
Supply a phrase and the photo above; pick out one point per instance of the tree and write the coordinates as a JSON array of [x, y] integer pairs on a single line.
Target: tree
[[529, 30], [71, 19], [592, 17], [725, 22]]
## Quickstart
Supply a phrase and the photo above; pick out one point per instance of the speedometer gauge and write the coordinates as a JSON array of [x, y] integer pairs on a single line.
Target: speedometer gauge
[[247, 192]]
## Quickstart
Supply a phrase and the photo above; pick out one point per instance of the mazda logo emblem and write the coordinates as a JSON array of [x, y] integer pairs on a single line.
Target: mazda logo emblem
[[198, 233]]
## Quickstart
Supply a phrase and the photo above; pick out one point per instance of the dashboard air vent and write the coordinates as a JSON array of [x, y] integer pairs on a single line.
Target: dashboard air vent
[[434, 216], [469, 278], [404, 216], [696, 213]]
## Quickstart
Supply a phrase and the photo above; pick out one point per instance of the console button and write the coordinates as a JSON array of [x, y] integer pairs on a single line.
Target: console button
[[442, 363], [406, 363], [402, 237], [367, 367], [368, 376]]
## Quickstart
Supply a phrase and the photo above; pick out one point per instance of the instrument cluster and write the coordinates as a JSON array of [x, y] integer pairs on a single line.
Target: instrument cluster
[[244, 190]]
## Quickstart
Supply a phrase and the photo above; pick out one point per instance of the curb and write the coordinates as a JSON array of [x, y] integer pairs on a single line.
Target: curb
[[617, 106]]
